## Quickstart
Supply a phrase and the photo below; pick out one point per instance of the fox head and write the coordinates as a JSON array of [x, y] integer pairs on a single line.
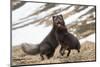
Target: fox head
[[58, 22]]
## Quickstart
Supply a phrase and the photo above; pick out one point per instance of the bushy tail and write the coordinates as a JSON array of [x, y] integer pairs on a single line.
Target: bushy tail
[[30, 48]]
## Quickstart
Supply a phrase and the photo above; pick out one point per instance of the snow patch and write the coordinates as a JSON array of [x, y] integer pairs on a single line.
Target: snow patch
[[90, 38], [30, 34]]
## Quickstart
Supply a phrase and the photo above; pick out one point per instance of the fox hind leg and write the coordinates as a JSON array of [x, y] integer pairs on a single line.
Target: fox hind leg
[[62, 51], [42, 57], [68, 52], [78, 50]]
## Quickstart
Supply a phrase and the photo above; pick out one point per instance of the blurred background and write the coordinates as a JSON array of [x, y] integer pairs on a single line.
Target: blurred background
[[31, 22]]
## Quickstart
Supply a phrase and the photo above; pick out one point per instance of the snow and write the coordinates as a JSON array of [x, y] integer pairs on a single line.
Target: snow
[[33, 33], [30, 34], [90, 38], [35, 17], [24, 11], [76, 16]]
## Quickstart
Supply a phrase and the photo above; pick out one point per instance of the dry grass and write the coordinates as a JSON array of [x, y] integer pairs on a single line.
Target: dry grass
[[87, 54]]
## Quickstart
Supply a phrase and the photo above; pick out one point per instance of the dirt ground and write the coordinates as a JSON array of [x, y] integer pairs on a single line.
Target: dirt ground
[[87, 54]]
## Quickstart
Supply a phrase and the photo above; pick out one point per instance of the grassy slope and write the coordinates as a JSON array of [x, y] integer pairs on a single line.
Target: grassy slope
[[87, 54]]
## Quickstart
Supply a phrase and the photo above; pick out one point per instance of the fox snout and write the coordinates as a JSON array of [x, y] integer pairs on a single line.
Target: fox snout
[[59, 25]]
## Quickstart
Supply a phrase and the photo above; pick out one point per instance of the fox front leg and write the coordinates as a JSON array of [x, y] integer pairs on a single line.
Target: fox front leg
[[42, 57], [62, 51]]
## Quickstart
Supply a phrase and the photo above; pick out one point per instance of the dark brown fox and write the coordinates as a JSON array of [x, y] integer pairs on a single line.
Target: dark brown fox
[[46, 47], [66, 39]]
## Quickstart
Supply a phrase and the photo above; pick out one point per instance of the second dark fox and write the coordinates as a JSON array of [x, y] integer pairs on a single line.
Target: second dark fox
[[66, 39]]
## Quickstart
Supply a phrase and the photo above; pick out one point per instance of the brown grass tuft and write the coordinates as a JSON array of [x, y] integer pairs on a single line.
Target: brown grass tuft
[[87, 54]]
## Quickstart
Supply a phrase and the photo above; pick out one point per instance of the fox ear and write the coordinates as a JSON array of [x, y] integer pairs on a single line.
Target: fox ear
[[54, 18], [61, 16]]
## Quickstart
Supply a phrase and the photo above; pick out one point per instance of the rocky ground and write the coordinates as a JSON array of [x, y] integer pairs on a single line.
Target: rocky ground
[[87, 54]]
